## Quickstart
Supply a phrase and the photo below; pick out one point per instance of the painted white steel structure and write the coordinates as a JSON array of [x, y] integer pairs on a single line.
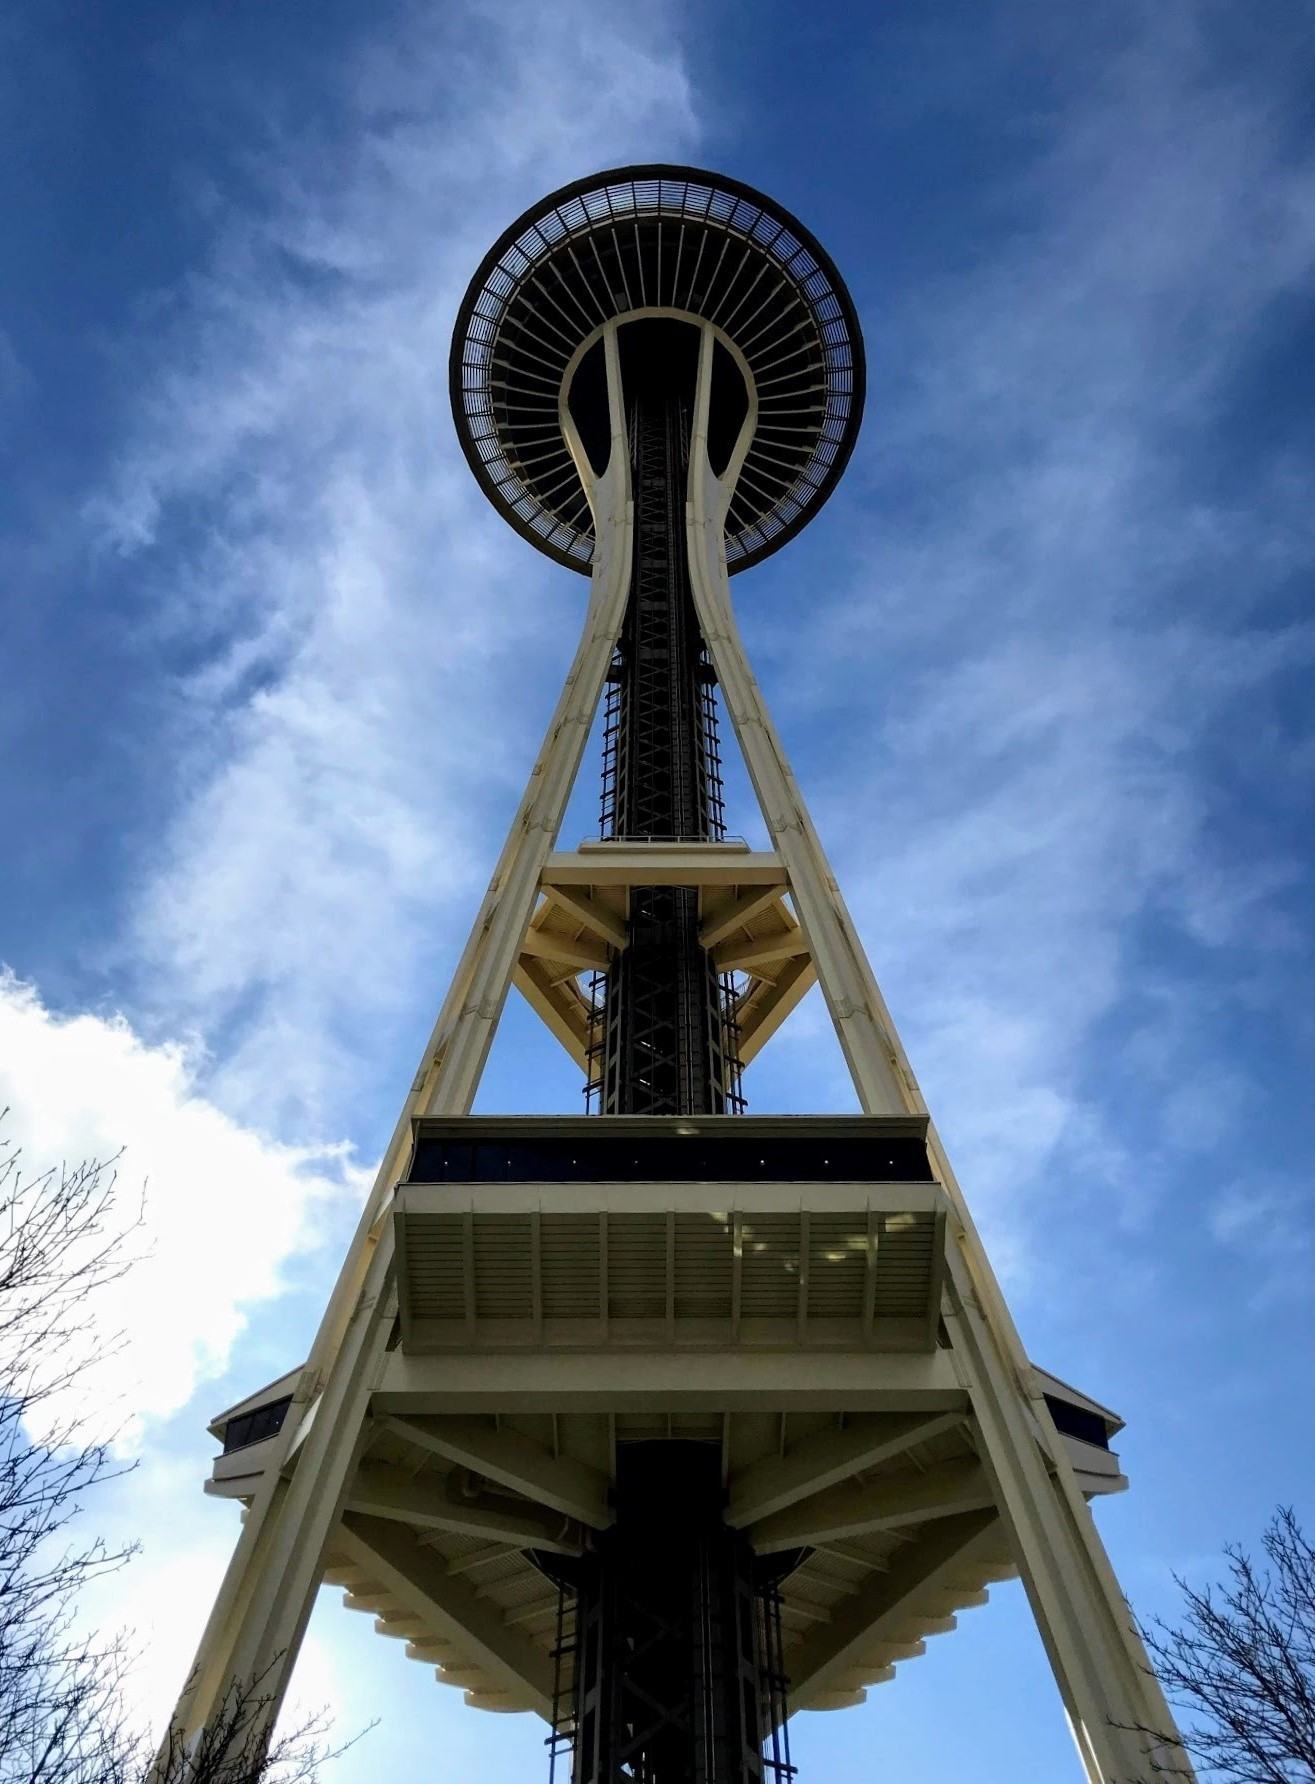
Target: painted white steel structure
[[907, 1440]]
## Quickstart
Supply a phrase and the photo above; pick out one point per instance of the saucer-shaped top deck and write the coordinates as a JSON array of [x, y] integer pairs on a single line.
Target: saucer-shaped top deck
[[656, 242]]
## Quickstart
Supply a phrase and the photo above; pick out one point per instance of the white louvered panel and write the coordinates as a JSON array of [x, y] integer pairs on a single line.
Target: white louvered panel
[[503, 1268], [637, 1266], [703, 1266], [569, 1245], [769, 1279], [434, 1269], [837, 1265], [514, 1581], [904, 1261]]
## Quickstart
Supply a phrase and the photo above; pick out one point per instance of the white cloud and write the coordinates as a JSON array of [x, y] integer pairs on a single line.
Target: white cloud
[[1266, 1227], [225, 1206], [378, 650], [1004, 886]]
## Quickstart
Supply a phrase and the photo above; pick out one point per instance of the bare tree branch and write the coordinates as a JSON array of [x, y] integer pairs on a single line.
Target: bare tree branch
[[60, 1242], [63, 1241], [1241, 1663]]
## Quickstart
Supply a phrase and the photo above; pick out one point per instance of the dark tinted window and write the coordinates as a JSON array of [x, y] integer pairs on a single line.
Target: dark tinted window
[[255, 1426], [1076, 1421], [674, 1158]]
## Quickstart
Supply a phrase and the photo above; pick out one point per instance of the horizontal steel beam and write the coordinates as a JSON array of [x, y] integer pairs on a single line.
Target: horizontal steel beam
[[735, 912], [434, 1502], [663, 864], [590, 913], [667, 1381], [768, 950], [620, 1200], [515, 1461], [576, 951], [888, 1502], [826, 1459]]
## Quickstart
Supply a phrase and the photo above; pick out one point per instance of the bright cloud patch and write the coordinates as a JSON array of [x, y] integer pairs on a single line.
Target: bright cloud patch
[[225, 1207]]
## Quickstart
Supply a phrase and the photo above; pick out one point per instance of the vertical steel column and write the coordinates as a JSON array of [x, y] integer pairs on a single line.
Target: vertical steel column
[[667, 1632], [667, 1644], [665, 1040]]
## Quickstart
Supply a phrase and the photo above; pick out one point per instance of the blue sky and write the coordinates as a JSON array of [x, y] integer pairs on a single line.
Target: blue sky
[[276, 674]]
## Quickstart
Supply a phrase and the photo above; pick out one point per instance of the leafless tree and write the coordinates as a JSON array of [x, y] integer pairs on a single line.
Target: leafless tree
[[1241, 1663], [59, 1245], [63, 1240], [234, 1749]]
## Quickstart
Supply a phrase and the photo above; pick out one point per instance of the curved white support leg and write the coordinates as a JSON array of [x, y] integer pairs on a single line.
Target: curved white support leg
[[1101, 1667], [257, 1623]]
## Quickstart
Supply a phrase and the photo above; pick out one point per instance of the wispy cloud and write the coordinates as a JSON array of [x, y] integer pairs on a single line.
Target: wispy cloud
[[1073, 614], [1268, 1228], [375, 650]]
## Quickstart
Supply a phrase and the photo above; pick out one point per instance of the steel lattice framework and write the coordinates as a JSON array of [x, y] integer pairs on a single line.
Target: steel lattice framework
[[666, 1040]]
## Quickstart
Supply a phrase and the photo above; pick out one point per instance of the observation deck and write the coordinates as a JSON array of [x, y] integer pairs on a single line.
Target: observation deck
[[662, 244]]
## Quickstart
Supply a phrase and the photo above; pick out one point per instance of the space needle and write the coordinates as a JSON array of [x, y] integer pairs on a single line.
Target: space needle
[[662, 1419]]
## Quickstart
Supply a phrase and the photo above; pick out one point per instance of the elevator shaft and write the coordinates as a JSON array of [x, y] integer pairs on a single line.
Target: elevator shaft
[[668, 1631], [672, 1625], [666, 1043]]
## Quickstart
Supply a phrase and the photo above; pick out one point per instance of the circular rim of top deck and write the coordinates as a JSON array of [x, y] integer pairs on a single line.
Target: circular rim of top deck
[[631, 194]]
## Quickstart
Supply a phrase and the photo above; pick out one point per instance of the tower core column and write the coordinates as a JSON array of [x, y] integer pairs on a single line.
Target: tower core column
[[668, 1646], [665, 1042]]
